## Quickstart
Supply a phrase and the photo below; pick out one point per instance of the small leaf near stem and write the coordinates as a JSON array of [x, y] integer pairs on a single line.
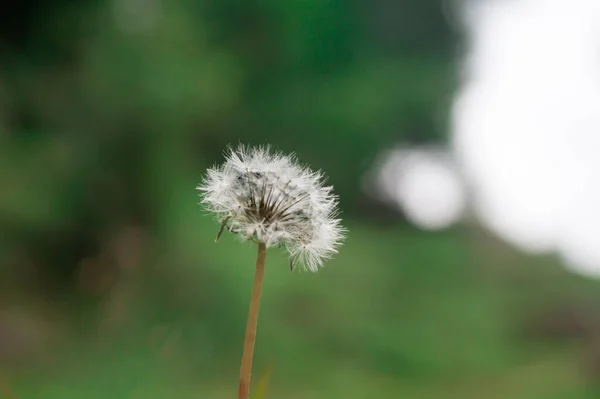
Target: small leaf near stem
[[263, 384]]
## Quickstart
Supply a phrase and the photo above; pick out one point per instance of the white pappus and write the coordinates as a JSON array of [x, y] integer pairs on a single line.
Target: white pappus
[[268, 197]]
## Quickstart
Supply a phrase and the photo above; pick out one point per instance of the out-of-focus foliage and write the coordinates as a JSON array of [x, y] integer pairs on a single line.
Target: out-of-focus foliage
[[110, 283], [118, 88]]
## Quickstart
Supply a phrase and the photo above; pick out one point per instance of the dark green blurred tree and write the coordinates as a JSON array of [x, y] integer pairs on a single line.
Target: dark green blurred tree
[[107, 106]]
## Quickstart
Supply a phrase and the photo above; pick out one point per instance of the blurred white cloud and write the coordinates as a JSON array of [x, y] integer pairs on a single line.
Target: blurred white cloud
[[423, 183], [526, 124]]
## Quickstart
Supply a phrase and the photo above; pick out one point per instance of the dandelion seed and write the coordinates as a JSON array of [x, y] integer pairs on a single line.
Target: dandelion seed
[[269, 198]]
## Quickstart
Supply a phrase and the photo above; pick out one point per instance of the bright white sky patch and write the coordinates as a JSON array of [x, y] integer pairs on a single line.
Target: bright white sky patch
[[526, 124], [424, 184]]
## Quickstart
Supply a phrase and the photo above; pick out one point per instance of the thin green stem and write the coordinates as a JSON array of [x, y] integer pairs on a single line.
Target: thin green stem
[[246, 369]]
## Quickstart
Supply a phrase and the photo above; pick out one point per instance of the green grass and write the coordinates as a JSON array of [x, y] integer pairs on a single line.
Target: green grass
[[397, 314]]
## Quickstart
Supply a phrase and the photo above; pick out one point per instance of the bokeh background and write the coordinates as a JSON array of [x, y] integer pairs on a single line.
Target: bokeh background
[[471, 263]]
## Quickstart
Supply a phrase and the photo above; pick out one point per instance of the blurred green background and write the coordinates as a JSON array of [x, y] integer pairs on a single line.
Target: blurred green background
[[111, 285]]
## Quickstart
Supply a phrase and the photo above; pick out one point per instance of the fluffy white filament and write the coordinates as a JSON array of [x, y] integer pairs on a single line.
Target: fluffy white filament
[[268, 197]]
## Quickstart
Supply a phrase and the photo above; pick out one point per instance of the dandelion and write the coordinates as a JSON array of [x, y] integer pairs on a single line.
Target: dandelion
[[269, 198]]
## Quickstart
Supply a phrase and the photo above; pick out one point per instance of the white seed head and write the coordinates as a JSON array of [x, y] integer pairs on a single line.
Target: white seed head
[[268, 197]]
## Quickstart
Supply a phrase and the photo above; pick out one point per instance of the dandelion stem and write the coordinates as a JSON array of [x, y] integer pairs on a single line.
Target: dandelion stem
[[246, 369]]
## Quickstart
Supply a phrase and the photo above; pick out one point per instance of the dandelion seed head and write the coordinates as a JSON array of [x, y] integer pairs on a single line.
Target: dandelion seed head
[[268, 197]]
